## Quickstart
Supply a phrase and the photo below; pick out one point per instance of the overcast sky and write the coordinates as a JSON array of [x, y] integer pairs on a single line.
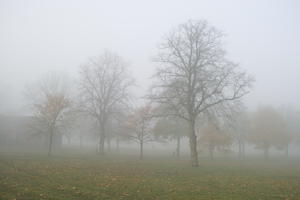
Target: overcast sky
[[41, 36]]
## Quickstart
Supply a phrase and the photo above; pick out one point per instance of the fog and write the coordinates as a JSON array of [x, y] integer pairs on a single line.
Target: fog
[[42, 36], [159, 83]]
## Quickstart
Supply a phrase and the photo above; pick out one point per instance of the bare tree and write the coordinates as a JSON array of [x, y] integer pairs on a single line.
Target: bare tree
[[139, 127], [104, 88], [50, 104], [194, 75]]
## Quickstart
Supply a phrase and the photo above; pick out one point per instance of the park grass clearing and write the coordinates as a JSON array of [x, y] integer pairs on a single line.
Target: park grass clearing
[[113, 177]]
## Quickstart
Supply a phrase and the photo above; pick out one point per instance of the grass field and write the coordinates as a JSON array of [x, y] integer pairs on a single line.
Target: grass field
[[84, 178]]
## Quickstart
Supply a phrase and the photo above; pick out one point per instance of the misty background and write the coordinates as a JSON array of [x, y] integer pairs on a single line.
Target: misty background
[[126, 99], [41, 36]]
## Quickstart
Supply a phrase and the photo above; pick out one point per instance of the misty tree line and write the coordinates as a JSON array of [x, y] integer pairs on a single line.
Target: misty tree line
[[196, 93]]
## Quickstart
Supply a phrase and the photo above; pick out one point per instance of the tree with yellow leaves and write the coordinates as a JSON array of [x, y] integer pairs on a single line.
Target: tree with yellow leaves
[[138, 127], [50, 104], [213, 137]]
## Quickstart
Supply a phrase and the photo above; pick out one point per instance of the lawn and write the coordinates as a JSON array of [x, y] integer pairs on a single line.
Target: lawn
[[114, 177]]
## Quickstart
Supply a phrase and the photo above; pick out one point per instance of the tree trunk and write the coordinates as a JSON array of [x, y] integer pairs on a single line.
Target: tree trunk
[[178, 147], [193, 144], [102, 139], [141, 150], [50, 142], [101, 144], [108, 143]]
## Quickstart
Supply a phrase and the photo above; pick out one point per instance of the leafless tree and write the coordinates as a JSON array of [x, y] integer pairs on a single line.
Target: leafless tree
[[50, 104], [194, 75], [104, 88]]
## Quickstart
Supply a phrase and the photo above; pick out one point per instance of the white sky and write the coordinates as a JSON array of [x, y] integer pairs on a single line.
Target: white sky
[[36, 37]]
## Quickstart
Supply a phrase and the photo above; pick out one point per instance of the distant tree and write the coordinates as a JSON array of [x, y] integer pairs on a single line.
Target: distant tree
[[268, 129], [50, 104], [82, 127], [292, 118], [215, 138], [194, 76], [239, 127], [115, 130], [104, 88], [139, 126], [171, 129]]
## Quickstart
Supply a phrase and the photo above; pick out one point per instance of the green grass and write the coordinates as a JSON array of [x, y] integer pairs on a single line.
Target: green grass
[[84, 178]]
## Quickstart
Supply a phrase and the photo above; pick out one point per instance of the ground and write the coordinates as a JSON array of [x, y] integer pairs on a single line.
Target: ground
[[113, 177]]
